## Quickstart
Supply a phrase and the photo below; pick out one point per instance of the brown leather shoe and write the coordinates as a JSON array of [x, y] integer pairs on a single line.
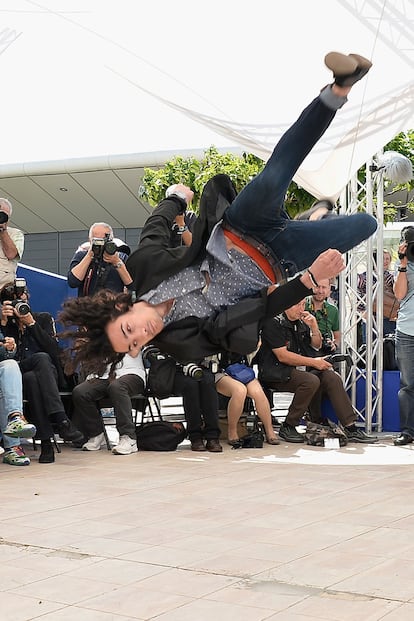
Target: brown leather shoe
[[198, 445], [214, 446]]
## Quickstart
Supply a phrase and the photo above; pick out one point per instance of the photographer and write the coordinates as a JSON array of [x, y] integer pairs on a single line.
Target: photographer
[[327, 316], [38, 355], [289, 360], [99, 263], [196, 385], [11, 244], [404, 335]]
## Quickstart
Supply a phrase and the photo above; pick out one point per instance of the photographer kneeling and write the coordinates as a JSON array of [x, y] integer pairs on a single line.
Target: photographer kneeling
[[38, 355]]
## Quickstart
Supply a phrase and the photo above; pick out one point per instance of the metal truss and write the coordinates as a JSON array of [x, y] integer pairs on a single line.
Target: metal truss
[[367, 367]]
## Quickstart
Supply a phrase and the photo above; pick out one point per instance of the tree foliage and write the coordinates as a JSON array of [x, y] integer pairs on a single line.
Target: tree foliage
[[241, 169]]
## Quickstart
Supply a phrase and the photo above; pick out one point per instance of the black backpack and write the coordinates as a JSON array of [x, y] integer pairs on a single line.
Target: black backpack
[[160, 436]]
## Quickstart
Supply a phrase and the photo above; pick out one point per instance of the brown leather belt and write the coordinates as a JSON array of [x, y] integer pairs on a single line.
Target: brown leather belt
[[257, 251]]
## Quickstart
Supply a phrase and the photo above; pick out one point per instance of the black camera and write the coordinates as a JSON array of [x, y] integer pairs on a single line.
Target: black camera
[[13, 292], [335, 358], [21, 307], [3, 217], [407, 235], [100, 245], [193, 370], [327, 343]]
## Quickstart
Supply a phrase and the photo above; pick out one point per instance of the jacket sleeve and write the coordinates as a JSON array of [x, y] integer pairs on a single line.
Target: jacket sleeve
[[155, 260], [76, 259]]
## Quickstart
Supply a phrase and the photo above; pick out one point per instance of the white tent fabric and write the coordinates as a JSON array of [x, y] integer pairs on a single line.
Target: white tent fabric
[[84, 78]]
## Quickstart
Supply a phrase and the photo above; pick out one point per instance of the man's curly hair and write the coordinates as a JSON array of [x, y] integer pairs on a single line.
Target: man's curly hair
[[85, 320]]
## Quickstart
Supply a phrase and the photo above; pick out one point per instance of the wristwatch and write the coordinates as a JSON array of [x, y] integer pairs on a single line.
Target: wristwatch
[[402, 269], [118, 265]]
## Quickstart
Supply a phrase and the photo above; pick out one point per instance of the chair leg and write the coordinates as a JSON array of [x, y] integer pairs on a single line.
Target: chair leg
[[108, 444], [55, 442]]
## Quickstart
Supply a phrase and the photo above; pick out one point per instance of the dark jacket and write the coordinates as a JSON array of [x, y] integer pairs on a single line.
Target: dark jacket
[[103, 275], [235, 328], [281, 332], [41, 337]]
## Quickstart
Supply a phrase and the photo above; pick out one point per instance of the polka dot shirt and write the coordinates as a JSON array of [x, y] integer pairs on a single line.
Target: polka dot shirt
[[223, 278]]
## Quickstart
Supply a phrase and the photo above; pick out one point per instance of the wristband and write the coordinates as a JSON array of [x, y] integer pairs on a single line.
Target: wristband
[[312, 279], [402, 269]]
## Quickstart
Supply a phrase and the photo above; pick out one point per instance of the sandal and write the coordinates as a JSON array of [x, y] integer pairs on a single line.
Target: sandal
[[234, 443], [273, 440]]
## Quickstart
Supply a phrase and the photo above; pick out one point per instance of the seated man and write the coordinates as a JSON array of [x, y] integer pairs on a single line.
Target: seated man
[[38, 355], [129, 380], [194, 301], [195, 384], [289, 362], [13, 424]]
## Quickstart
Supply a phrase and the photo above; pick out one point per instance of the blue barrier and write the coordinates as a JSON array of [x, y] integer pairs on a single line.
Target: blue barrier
[[47, 290]]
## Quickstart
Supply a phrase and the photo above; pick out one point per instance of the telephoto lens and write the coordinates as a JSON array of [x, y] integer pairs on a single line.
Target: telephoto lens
[[193, 370]]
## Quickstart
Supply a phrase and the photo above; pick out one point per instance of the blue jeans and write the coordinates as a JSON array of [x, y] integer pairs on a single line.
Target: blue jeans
[[11, 396], [404, 354], [259, 211]]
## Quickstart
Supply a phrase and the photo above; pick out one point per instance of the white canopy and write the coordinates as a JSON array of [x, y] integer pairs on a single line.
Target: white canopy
[[83, 78]]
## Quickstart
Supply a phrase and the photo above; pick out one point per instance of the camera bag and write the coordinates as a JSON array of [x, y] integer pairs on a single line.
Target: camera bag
[[161, 376], [315, 433], [160, 435]]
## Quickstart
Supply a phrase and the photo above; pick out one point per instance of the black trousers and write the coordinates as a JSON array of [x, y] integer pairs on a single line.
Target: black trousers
[[40, 388], [87, 416], [200, 402]]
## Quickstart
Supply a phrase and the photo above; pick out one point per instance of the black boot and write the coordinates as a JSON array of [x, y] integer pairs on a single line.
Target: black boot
[[47, 454], [68, 431]]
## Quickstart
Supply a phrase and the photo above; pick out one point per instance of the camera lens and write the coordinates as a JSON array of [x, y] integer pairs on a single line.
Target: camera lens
[[21, 307], [150, 353], [193, 370], [110, 247], [410, 251]]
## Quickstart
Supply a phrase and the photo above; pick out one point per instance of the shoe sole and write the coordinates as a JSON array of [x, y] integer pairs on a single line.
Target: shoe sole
[[341, 64], [362, 62], [134, 450], [84, 448], [23, 433], [26, 463]]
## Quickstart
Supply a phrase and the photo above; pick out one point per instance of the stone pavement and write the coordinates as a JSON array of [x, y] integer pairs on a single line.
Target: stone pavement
[[285, 533]]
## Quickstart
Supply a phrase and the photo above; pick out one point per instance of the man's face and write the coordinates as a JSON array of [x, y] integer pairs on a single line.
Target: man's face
[[132, 330], [295, 312], [322, 291]]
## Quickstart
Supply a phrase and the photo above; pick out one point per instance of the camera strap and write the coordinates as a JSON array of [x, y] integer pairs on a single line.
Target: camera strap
[[101, 272]]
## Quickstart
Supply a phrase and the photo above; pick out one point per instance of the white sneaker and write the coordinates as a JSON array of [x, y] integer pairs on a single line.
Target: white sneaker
[[125, 446], [95, 443]]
